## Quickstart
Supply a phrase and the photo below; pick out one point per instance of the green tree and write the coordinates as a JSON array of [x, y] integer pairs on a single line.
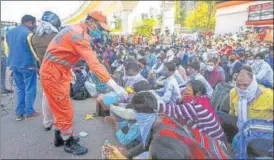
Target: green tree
[[118, 24], [179, 13], [145, 26], [202, 17]]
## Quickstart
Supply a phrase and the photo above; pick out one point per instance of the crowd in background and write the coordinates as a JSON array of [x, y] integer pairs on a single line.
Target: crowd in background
[[188, 97]]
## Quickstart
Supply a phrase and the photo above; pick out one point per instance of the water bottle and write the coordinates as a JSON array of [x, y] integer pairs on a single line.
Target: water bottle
[[110, 98]]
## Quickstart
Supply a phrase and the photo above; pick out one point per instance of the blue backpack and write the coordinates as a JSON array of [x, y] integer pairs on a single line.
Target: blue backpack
[[254, 129]]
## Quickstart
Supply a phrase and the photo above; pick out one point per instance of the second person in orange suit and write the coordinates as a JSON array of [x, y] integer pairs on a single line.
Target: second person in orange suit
[[63, 52]]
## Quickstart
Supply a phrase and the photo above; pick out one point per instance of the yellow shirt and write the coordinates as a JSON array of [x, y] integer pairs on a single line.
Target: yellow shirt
[[261, 108]]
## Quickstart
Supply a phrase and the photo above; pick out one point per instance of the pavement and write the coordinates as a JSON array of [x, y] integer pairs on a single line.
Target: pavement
[[27, 139]]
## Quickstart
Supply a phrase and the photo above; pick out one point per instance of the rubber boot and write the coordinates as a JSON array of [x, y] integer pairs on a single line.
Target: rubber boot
[[58, 141], [73, 147]]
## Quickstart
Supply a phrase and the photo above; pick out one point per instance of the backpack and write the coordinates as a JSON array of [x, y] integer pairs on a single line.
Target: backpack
[[260, 133], [78, 90], [39, 45], [220, 97]]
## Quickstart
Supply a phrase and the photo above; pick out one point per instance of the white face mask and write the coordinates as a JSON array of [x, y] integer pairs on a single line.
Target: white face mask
[[259, 62], [249, 62], [210, 68]]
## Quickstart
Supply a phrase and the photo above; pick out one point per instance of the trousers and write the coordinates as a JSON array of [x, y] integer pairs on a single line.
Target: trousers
[[55, 80], [25, 80], [48, 118], [3, 72]]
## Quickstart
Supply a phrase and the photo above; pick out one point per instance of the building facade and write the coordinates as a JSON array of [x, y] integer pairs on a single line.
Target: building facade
[[234, 16]]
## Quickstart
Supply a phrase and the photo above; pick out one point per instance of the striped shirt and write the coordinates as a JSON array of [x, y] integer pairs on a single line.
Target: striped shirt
[[195, 116]]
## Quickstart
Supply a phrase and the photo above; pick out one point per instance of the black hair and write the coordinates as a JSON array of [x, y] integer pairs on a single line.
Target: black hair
[[164, 147], [198, 86], [213, 60], [177, 61], [144, 102], [131, 68], [195, 65], [143, 61], [142, 52], [170, 66], [261, 55], [248, 69], [141, 86], [28, 18]]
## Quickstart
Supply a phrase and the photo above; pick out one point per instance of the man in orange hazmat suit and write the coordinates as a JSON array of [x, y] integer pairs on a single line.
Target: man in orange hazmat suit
[[63, 52]]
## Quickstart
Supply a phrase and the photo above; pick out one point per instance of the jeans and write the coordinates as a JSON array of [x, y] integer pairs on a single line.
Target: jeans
[[25, 82], [3, 72]]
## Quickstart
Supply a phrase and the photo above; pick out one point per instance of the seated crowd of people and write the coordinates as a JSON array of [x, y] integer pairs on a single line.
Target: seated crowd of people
[[169, 112]]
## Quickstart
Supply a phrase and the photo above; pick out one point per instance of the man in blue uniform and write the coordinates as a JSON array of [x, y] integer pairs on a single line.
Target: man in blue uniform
[[23, 65]]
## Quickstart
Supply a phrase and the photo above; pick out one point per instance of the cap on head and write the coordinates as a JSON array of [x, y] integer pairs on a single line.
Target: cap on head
[[52, 18], [100, 18]]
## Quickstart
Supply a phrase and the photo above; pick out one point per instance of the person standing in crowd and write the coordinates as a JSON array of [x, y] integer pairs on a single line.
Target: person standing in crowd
[[212, 74], [263, 71], [24, 67], [3, 67], [63, 52], [46, 30]]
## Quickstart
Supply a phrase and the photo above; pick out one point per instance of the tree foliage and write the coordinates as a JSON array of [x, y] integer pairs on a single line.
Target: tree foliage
[[179, 13], [145, 26], [202, 17], [118, 24]]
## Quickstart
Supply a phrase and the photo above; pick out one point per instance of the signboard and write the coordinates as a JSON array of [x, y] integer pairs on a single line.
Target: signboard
[[260, 12], [267, 11]]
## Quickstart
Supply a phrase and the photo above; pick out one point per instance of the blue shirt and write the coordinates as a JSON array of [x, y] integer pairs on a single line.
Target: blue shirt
[[132, 134], [270, 60], [151, 59], [20, 55], [171, 93]]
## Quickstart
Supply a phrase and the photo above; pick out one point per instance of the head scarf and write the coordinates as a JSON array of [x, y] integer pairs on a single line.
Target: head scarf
[[245, 97], [45, 28], [145, 122]]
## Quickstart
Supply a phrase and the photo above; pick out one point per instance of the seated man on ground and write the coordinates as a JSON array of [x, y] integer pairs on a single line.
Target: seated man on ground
[[193, 73], [212, 74], [170, 93], [263, 71], [197, 113], [153, 125], [132, 76], [248, 100], [180, 73]]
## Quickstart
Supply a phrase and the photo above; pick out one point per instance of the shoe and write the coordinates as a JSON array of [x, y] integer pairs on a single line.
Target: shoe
[[73, 147], [6, 91], [48, 128], [19, 117], [32, 116], [58, 141]]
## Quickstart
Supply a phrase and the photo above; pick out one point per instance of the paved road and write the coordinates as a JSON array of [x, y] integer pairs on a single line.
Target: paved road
[[28, 139]]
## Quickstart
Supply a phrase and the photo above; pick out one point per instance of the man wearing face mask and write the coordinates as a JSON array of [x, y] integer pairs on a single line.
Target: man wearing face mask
[[263, 71], [248, 100], [63, 52], [193, 70], [23, 65], [212, 74]]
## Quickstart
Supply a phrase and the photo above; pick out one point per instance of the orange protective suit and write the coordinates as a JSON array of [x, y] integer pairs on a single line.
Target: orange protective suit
[[63, 52]]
